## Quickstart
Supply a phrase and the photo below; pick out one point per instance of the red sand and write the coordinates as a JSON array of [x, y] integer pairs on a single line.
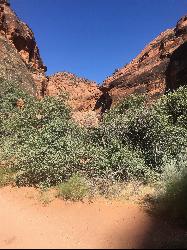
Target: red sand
[[26, 223]]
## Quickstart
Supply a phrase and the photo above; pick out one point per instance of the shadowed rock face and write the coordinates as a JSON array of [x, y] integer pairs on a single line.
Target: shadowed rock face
[[176, 74], [22, 38], [159, 67], [12, 67], [104, 103]]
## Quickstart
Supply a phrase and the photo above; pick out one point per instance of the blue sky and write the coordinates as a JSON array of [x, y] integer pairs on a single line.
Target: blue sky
[[92, 38]]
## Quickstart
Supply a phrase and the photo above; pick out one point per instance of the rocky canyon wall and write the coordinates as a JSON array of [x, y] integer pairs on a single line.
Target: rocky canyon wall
[[160, 67]]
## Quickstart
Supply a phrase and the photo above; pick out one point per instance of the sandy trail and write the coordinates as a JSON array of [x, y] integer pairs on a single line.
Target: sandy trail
[[25, 223]]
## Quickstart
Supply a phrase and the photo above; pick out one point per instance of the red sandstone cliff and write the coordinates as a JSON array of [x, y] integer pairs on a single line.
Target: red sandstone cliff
[[82, 93], [22, 38], [13, 69], [162, 65]]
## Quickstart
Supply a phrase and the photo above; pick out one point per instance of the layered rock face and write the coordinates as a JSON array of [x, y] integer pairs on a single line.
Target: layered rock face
[[161, 66], [22, 38], [82, 93]]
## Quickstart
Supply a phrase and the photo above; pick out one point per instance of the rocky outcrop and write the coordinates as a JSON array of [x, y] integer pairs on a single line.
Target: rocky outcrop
[[12, 67], [82, 94], [161, 66], [22, 38]]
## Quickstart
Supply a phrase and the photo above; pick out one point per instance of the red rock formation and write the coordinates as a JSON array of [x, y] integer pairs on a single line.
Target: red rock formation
[[162, 65], [13, 69], [21, 36], [82, 96], [82, 93]]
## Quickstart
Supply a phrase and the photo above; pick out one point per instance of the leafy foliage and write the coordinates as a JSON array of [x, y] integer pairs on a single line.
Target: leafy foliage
[[6, 176], [171, 199], [74, 189], [150, 130], [132, 142]]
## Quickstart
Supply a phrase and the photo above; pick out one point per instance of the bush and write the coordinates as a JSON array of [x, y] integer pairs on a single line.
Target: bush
[[115, 163], [132, 142], [147, 129], [51, 154], [44, 142], [172, 196], [6, 176], [48, 147], [174, 105], [75, 189]]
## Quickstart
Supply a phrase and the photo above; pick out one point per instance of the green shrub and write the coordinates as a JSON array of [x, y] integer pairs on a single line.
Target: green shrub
[[116, 163], [174, 105], [49, 148], [51, 154], [6, 176], [172, 196], [149, 130], [131, 143], [44, 142], [75, 189], [132, 102]]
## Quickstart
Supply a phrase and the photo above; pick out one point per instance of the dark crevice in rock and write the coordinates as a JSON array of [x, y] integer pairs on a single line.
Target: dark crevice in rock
[[104, 102], [176, 73]]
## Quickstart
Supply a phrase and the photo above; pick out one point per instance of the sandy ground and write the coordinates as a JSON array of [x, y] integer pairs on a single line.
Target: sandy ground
[[26, 223]]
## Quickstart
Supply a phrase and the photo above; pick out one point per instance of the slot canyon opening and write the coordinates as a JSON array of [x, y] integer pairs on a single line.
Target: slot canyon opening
[[176, 73]]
